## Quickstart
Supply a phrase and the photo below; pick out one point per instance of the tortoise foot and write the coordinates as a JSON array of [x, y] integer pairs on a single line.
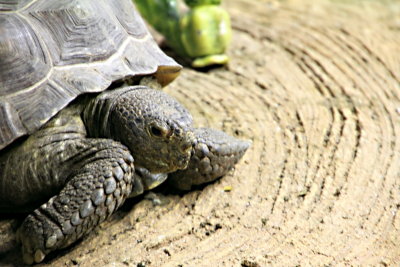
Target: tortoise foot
[[90, 196], [214, 154]]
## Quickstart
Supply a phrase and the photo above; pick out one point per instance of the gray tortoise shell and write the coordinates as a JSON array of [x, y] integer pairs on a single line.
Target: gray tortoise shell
[[51, 51]]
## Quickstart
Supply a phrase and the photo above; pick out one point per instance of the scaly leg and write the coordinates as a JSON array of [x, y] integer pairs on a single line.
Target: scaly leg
[[214, 154], [91, 194]]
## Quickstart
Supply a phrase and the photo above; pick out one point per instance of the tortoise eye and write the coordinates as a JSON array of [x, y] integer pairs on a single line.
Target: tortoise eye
[[158, 131]]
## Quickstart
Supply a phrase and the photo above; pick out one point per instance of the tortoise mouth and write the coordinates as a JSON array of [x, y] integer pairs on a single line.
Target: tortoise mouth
[[150, 180], [183, 161], [174, 162], [186, 148]]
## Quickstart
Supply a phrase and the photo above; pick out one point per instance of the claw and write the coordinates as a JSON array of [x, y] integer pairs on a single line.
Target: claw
[[39, 256], [150, 180], [51, 241], [27, 258]]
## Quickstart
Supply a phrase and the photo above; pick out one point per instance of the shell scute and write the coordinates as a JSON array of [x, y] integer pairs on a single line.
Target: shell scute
[[51, 51]]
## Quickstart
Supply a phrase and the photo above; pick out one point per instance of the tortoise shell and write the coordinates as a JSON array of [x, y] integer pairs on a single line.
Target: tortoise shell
[[51, 51]]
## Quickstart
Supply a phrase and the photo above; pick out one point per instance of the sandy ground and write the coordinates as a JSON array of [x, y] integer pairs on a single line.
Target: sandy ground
[[316, 86]]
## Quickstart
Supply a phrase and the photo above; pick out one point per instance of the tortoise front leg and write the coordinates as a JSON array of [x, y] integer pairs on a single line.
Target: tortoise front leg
[[214, 154], [93, 192]]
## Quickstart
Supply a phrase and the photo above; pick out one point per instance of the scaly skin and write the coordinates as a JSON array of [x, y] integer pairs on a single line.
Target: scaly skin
[[90, 196], [89, 178], [130, 114], [94, 154], [214, 154]]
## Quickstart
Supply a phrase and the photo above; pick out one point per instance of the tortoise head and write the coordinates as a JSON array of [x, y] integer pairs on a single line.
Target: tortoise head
[[153, 125]]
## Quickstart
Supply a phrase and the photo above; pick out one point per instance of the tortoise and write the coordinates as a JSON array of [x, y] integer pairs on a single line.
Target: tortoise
[[83, 124]]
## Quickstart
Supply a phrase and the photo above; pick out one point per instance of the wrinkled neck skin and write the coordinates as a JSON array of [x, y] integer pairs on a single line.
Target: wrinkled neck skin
[[96, 114], [126, 115]]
